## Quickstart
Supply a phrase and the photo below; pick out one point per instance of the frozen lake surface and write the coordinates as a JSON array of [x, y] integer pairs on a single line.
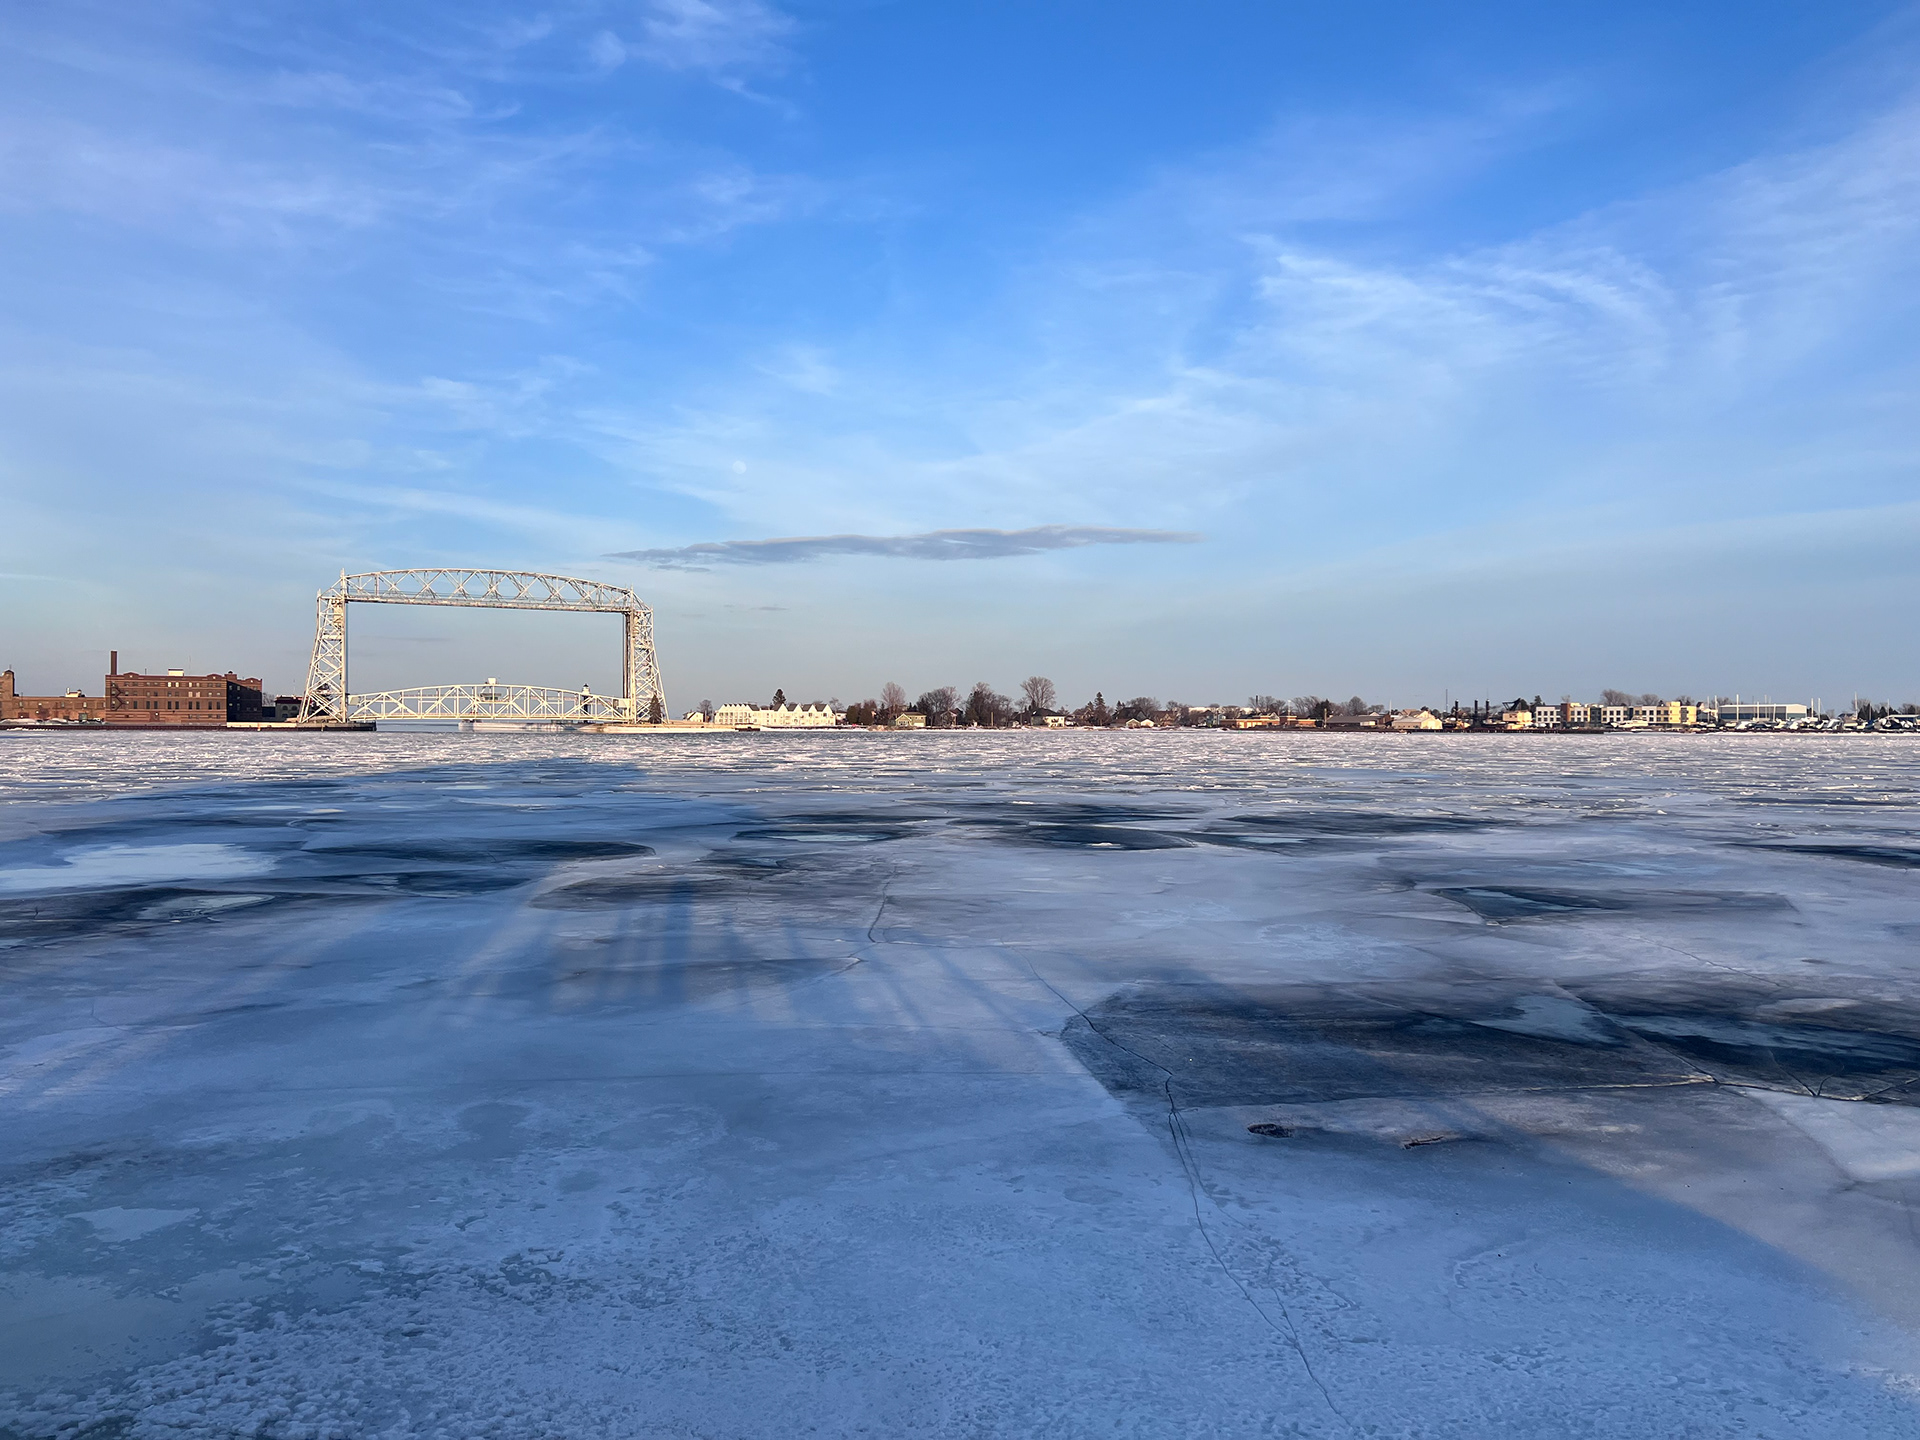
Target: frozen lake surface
[[954, 1085]]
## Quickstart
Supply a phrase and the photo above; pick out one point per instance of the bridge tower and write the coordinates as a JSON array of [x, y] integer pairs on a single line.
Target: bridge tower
[[326, 697]]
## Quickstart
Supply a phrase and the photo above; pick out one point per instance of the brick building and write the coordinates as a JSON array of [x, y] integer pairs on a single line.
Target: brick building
[[177, 698], [70, 706]]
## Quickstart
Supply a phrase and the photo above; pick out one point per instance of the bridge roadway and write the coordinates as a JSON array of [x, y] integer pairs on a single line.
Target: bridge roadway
[[488, 701]]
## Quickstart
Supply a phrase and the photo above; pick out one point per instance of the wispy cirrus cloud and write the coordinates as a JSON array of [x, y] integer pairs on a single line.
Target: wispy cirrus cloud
[[929, 545], [720, 37]]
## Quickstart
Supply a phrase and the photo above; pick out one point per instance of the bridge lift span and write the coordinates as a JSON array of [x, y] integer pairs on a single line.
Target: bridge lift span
[[328, 699]]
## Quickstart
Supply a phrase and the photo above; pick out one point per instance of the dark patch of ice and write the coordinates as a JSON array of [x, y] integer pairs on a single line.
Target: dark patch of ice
[[1214, 1045], [497, 850], [1901, 856], [1819, 1059], [1365, 823], [616, 890], [1504, 902], [1221, 1046], [816, 834], [1087, 837]]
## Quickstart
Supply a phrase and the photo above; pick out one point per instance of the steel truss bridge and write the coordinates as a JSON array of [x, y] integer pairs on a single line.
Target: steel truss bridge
[[485, 702], [329, 700]]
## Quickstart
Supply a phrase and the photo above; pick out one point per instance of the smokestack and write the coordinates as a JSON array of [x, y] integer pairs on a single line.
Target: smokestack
[[113, 662]]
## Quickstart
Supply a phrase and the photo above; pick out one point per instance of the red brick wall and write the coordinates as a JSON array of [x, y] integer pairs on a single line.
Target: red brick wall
[[136, 699]]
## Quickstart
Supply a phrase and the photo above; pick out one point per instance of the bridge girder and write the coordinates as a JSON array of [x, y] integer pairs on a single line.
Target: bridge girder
[[484, 702]]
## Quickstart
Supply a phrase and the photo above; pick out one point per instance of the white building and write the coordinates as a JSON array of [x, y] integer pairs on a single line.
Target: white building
[[1733, 712], [743, 716]]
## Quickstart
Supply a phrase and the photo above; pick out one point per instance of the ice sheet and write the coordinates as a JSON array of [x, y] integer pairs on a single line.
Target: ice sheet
[[902, 1084], [100, 867]]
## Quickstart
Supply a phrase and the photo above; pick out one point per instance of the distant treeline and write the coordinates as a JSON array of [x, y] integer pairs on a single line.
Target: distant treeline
[[945, 706], [983, 706]]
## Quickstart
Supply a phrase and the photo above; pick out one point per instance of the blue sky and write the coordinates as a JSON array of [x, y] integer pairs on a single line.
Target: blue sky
[[1493, 348]]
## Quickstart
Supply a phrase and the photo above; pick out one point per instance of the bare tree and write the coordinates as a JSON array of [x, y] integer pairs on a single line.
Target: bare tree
[[938, 705], [1616, 697], [706, 710], [1265, 704], [1038, 692], [893, 702], [1311, 707], [1356, 706], [1095, 714], [987, 707], [1141, 707]]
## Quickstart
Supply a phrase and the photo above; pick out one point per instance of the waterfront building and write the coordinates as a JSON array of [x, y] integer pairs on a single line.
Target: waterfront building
[[1736, 712], [1413, 720], [1667, 712], [742, 716], [173, 699], [177, 698], [73, 707]]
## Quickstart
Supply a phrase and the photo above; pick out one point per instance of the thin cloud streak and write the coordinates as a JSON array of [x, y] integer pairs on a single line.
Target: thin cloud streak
[[930, 545]]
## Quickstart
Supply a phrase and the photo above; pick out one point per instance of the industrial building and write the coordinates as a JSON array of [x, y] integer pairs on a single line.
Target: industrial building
[[177, 698], [72, 707], [173, 699]]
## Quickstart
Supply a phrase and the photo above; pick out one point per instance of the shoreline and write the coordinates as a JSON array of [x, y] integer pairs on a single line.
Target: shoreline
[[454, 728]]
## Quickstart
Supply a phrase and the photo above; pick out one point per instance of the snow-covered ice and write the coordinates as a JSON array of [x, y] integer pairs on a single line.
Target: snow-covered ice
[[952, 1084]]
